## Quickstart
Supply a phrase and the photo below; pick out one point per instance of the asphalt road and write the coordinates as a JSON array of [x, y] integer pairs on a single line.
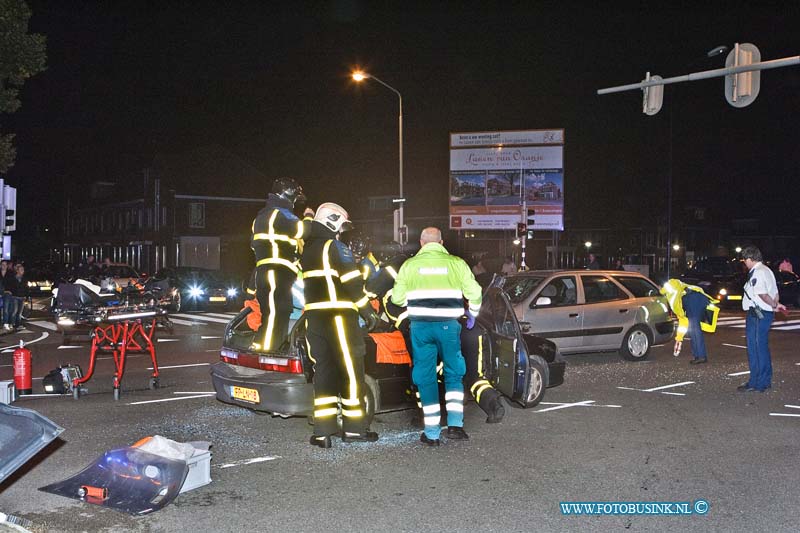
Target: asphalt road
[[654, 431]]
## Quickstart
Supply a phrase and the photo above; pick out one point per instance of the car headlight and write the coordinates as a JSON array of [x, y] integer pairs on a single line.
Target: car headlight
[[194, 292], [723, 292], [31, 284], [232, 293]]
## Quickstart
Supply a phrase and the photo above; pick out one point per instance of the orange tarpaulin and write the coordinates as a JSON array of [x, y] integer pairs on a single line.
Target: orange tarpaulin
[[391, 348], [254, 317]]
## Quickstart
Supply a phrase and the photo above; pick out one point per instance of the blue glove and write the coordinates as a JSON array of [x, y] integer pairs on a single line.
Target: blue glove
[[470, 321]]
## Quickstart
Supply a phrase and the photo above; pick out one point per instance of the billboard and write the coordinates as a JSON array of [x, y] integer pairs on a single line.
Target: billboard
[[494, 174]]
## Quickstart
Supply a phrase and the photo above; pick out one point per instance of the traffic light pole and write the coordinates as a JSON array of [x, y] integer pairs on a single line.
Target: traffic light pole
[[522, 264]]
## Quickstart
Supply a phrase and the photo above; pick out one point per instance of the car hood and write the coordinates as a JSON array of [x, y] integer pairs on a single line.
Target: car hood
[[23, 432]]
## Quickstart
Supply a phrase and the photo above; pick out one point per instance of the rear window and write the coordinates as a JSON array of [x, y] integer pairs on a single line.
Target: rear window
[[519, 288], [639, 287]]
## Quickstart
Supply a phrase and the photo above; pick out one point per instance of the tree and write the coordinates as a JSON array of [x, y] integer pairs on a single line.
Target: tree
[[22, 55]]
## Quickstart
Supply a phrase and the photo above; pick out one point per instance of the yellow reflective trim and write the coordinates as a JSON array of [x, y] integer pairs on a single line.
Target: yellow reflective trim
[[300, 228], [477, 384], [326, 265], [278, 261], [354, 413], [273, 236], [402, 316], [392, 272], [350, 275], [320, 273], [480, 391], [365, 272], [348, 361], [251, 291], [330, 411], [350, 402], [330, 305], [480, 355], [272, 310], [325, 400], [386, 298], [308, 347], [363, 301]]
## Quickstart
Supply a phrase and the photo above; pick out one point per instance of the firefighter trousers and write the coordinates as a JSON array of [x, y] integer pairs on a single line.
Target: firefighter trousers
[[274, 295], [336, 347], [472, 347]]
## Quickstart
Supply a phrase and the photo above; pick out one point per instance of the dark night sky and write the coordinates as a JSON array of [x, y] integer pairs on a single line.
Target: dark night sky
[[269, 82]]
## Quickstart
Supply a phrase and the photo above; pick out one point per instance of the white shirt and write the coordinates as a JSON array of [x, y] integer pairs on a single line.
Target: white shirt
[[761, 280]]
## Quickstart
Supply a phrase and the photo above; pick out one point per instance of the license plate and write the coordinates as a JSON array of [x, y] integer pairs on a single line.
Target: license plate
[[734, 297], [217, 299], [245, 394]]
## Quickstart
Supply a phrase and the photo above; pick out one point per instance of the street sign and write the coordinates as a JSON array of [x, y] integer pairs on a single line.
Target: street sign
[[741, 89]]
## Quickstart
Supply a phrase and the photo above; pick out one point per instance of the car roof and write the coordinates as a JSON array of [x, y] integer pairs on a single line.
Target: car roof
[[544, 273]]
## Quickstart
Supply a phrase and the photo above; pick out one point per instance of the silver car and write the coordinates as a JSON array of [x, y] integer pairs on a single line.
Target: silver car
[[591, 310]]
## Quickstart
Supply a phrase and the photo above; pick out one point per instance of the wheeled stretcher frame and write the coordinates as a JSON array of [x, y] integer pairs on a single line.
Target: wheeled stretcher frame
[[123, 333]]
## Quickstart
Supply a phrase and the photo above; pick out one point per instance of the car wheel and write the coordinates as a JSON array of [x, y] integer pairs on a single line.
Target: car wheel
[[539, 377], [175, 306], [636, 344]]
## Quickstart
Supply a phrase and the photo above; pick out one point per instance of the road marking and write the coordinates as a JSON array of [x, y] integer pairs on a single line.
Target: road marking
[[180, 366], [784, 414], [172, 399], [786, 328], [674, 393], [198, 392], [204, 318], [41, 338], [68, 347], [206, 337], [681, 384], [792, 406], [740, 373], [734, 345], [167, 340], [221, 315], [565, 405], [183, 322], [254, 460], [214, 350], [43, 324]]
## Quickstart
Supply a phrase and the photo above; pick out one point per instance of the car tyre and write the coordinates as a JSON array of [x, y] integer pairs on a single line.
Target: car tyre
[[636, 344], [539, 378]]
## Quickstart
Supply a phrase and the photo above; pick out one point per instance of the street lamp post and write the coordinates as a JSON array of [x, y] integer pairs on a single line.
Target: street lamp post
[[360, 76]]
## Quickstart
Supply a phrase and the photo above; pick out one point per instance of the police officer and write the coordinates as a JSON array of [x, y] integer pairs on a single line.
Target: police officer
[[276, 234], [760, 301], [696, 311], [433, 285], [474, 344], [334, 297]]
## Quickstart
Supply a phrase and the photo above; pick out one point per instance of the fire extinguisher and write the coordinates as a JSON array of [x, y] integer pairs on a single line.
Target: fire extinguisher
[[22, 370]]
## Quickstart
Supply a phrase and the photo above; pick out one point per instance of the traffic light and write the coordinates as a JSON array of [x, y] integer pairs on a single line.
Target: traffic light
[[521, 229], [10, 208], [531, 213]]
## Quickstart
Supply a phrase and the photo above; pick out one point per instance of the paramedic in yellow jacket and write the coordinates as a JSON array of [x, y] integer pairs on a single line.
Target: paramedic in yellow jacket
[[696, 313]]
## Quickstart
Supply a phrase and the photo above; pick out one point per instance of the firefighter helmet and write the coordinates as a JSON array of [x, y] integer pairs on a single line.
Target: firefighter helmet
[[333, 217], [289, 190], [359, 244]]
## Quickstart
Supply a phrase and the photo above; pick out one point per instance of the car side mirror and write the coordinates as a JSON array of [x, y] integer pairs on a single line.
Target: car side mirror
[[542, 301], [525, 327]]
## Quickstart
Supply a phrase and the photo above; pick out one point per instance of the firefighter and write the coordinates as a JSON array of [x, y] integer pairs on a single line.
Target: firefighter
[[380, 287], [474, 347], [362, 253], [276, 235], [433, 284], [696, 311], [334, 298]]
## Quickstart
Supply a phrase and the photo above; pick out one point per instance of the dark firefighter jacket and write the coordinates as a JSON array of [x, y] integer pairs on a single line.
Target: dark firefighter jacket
[[277, 234]]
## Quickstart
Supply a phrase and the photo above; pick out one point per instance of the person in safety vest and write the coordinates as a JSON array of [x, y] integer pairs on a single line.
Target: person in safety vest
[[475, 348], [433, 285], [380, 287], [276, 237], [334, 298], [696, 312]]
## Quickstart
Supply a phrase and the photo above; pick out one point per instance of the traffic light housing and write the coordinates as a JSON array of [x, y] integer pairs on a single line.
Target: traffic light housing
[[522, 229], [10, 208]]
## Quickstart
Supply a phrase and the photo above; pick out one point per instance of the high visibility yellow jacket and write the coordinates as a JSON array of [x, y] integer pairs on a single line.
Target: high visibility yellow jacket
[[675, 290]]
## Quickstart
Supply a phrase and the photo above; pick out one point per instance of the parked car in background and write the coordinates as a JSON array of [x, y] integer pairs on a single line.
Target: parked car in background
[[788, 287], [591, 310], [199, 288], [720, 277], [42, 278]]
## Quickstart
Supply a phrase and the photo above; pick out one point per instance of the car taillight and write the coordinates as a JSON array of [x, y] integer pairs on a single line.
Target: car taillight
[[229, 356], [275, 364]]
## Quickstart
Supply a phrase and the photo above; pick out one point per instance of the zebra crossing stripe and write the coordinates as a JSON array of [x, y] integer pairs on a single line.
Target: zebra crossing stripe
[[221, 315], [786, 328], [43, 324], [181, 322], [204, 318]]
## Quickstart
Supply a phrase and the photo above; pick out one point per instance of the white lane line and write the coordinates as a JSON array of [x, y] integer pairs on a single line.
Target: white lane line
[[784, 414], [214, 350], [206, 337], [674, 393], [43, 324], [252, 461], [786, 328], [681, 384], [221, 315], [21, 396], [183, 322], [196, 392], [204, 318], [740, 373], [172, 399], [67, 347], [734, 345], [565, 405], [41, 338], [792, 406], [180, 366], [167, 340]]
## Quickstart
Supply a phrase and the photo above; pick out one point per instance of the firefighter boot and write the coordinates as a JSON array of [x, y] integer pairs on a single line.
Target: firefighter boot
[[322, 442], [367, 436], [495, 411]]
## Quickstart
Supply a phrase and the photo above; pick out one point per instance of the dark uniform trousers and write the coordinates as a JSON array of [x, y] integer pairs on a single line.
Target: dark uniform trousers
[[336, 347], [472, 348], [274, 294]]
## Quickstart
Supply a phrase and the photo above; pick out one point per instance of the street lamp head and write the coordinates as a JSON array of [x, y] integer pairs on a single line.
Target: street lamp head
[[588, 244], [359, 75], [738, 249], [719, 50], [676, 247]]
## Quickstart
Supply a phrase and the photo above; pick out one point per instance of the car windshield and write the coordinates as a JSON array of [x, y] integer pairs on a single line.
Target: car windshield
[[519, 288]]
